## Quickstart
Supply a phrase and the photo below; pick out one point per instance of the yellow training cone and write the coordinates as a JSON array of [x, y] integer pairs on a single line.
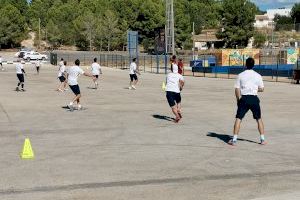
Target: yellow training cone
[[163, 87], [27, 152]]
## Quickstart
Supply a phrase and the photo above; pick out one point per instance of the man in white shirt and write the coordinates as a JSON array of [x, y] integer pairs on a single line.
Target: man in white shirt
[[61, 62], [62, 77], [37, 66], [2, 68], [20, 74], [96, 71], [174, 85], [248, 84], [132, 73], [72, 75]]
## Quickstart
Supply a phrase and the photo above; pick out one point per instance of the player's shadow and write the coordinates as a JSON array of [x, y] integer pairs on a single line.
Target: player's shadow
[[91, 88], [225, 138], [65, 107], [162, 117]]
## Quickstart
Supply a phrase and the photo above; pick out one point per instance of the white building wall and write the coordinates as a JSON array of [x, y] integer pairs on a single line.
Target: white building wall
[[282, 12], [261, 24]]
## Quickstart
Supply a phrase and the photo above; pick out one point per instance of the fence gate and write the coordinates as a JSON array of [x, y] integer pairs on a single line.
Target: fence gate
[[53, 58]]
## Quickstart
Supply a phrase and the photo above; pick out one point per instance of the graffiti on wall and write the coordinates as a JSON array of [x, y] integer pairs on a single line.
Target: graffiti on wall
[[238, 57], [292, 56]]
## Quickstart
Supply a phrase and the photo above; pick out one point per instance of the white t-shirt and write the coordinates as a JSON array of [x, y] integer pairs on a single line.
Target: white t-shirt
[[175, 68], [37, 63], [248, 82], [95, 68], [0, 59], [61, 63], [132, 68], [74, 72], [19, 68], [173, 82], [61, 70]]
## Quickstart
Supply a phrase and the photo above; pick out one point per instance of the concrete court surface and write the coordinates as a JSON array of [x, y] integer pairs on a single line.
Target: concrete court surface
[[124, 147]]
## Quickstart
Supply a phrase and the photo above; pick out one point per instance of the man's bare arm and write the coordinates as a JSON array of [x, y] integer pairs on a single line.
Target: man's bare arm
[[237, 93], [261, 89], [137, 71], [88, 74], [181, 84]]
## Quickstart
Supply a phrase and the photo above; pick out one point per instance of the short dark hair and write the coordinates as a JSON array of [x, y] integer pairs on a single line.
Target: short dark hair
[[134, 59], [250, 63], [95, 59], [77, 62], [61, 59], [173, 58], [65, 62]]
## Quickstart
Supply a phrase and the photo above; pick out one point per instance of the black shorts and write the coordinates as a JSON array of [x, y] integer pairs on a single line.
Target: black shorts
[[21, 77], [246, 103], [75, 89], [133, 77], [173, 98], [62, 79], [96, 76]]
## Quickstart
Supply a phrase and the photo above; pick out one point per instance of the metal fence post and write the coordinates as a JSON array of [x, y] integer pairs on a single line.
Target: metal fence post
[[277, 70], [228, 72], [144, 63], [106, 58], [157, 64], [151, 63], [166, 63]]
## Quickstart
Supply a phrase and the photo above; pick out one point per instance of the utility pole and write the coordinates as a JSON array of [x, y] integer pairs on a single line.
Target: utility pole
[[193, 34], [170, 33], [39, 33], [90, 39]]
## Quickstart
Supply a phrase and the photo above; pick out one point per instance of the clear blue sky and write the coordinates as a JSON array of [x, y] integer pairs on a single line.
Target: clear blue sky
[[269, 4]]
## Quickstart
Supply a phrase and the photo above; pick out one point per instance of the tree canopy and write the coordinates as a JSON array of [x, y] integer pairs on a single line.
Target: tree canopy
[[103, 24], [238, 18]]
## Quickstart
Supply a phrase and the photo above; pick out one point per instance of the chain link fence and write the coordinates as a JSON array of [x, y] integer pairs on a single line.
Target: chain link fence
[[272, 65]]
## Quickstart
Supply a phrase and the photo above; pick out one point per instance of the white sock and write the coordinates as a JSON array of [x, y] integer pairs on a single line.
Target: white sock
[[262, 137], [235, 137]]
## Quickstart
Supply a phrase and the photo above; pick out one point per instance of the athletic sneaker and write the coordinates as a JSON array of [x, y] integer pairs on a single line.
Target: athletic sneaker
[[232, 142], [60, 90], [71, 107], [263, 142], [130, 88], [133, 87], [23, 90], [79, 107], [17, 89]]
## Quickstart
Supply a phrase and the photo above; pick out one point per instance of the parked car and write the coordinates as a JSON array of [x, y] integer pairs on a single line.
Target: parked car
[[21, 53], [34, 56]]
